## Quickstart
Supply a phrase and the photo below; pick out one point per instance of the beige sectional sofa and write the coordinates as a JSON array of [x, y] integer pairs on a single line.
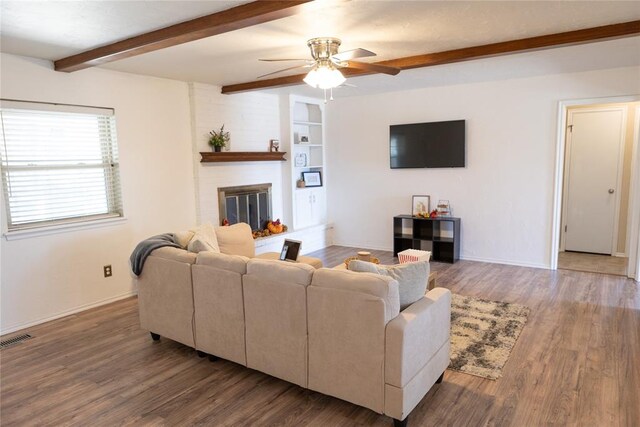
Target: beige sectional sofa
[[337, 332]]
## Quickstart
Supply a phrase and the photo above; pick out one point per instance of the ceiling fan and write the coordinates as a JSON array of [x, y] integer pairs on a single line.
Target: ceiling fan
[[325, 73]]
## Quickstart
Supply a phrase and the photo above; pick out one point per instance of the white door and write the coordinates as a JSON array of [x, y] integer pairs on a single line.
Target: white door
[[319, 206], [595, 142]]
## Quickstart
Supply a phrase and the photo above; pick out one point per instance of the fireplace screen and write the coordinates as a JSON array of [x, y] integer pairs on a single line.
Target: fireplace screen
[[247, 203]]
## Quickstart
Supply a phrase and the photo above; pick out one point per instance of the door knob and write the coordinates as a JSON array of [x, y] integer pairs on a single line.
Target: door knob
[[611, 190]]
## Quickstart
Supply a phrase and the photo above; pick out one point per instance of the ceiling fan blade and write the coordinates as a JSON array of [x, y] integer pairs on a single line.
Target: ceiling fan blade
[[351, 54], [283, 70], [284, 59], [392, 71]]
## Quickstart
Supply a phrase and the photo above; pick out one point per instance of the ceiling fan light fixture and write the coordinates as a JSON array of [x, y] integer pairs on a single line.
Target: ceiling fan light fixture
[[324, 77]]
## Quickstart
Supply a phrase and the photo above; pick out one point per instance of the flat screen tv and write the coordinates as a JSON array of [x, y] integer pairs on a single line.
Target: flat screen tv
[[428, 145]]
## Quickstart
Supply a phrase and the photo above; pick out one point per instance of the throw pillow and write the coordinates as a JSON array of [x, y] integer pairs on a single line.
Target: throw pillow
[[184, 237], [204, 239], [236, 239], [412, 278]]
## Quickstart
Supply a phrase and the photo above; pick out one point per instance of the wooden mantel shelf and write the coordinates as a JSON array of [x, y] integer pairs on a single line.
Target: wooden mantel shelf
[[242, 156]]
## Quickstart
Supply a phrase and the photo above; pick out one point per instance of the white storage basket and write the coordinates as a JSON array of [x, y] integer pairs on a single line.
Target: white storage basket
[[413, 255]]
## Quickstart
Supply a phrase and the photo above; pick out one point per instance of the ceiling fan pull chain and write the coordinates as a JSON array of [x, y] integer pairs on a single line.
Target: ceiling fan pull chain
[[331, 92]]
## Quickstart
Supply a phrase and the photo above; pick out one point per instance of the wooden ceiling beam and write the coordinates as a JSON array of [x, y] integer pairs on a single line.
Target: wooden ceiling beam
[[587, 35], [238, 17]]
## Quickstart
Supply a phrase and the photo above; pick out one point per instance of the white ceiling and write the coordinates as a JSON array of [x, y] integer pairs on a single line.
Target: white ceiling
[[392, 29]]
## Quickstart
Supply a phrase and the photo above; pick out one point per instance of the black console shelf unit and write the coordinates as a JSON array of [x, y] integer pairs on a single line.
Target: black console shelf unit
[[427, 234]]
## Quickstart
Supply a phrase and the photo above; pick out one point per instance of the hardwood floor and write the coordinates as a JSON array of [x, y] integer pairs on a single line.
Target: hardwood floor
[[593, 263], [577, 362]]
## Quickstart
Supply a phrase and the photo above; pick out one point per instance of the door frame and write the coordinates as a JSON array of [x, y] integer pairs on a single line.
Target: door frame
[[634, 199], [567, 172]]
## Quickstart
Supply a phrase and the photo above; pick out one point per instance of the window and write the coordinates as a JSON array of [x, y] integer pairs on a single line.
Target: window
[[59, 164]]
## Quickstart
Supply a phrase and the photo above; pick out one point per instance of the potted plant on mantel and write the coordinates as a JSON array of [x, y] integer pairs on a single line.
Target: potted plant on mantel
[[218, 139]]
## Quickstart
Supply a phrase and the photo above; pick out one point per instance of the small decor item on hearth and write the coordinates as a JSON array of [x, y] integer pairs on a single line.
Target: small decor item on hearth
[[300, 160], [219, 139], [420, 206], [271, 227], [274, 145], [312, 178], [444, 209]]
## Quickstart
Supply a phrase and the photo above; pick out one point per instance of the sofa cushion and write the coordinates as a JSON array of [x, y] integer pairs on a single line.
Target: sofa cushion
[[236, 239], [235, 263], [314, 262], [281, 271], [412, 278], [382, 287], [174, 254], [204, 239]]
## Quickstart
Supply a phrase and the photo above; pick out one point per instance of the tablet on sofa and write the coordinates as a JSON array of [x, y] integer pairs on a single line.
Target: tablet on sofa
[[290, 250]]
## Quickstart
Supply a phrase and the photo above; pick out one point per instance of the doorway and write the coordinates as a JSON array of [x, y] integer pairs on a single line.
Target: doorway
[[598, 148]]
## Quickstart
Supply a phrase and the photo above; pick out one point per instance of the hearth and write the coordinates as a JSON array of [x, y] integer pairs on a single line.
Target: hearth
[[246, 203]]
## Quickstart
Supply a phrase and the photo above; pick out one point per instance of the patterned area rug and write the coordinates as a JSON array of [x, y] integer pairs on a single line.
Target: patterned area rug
[[483, 334]]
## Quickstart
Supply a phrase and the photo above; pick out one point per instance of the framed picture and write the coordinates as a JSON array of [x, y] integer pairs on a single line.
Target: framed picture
[[300, 160], [274, 145], [420, 205], [304, 139], [312, 179]]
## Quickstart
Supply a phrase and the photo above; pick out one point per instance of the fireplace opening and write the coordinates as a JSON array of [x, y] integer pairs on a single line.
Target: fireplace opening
[[246, 203]]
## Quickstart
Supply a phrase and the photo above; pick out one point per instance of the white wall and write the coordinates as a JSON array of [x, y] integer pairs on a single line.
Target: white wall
[[504, 196], [252, 119], [48, 276]]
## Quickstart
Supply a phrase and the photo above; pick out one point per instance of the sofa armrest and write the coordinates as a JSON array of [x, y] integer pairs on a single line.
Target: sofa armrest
[[416, 335]]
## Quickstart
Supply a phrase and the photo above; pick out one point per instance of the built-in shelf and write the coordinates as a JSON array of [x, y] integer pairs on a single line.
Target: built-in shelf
[[439, 235], [242, 156], [301, 122]]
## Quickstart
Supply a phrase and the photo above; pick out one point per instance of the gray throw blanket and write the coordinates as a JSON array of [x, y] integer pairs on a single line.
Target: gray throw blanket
[[144, 249]]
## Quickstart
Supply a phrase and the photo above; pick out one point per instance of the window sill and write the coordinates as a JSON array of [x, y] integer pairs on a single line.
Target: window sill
[[62, 228]]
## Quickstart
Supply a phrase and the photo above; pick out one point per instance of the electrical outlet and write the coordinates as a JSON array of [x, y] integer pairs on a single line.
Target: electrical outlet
[[107, 271]]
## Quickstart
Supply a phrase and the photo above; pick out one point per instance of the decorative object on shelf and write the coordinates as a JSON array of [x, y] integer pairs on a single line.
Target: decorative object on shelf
[[434, 214], [300, 183], [271, 227], [219, 139], [300, 138], [274, 145], [312, 178], [444, 209], [301, 160], [354, 258], [420, 206]]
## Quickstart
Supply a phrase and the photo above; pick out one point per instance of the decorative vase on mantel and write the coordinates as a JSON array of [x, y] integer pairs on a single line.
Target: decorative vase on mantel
[[218, 139]]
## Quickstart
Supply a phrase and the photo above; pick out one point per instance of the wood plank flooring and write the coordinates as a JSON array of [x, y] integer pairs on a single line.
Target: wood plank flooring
[[593, 263], [577, 362]]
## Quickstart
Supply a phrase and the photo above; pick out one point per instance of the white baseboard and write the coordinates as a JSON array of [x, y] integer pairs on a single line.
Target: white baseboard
[[506, 262], [620, 255], [69, 312]]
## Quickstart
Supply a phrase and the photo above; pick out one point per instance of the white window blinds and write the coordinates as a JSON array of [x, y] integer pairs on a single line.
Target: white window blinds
[[59, 164]]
